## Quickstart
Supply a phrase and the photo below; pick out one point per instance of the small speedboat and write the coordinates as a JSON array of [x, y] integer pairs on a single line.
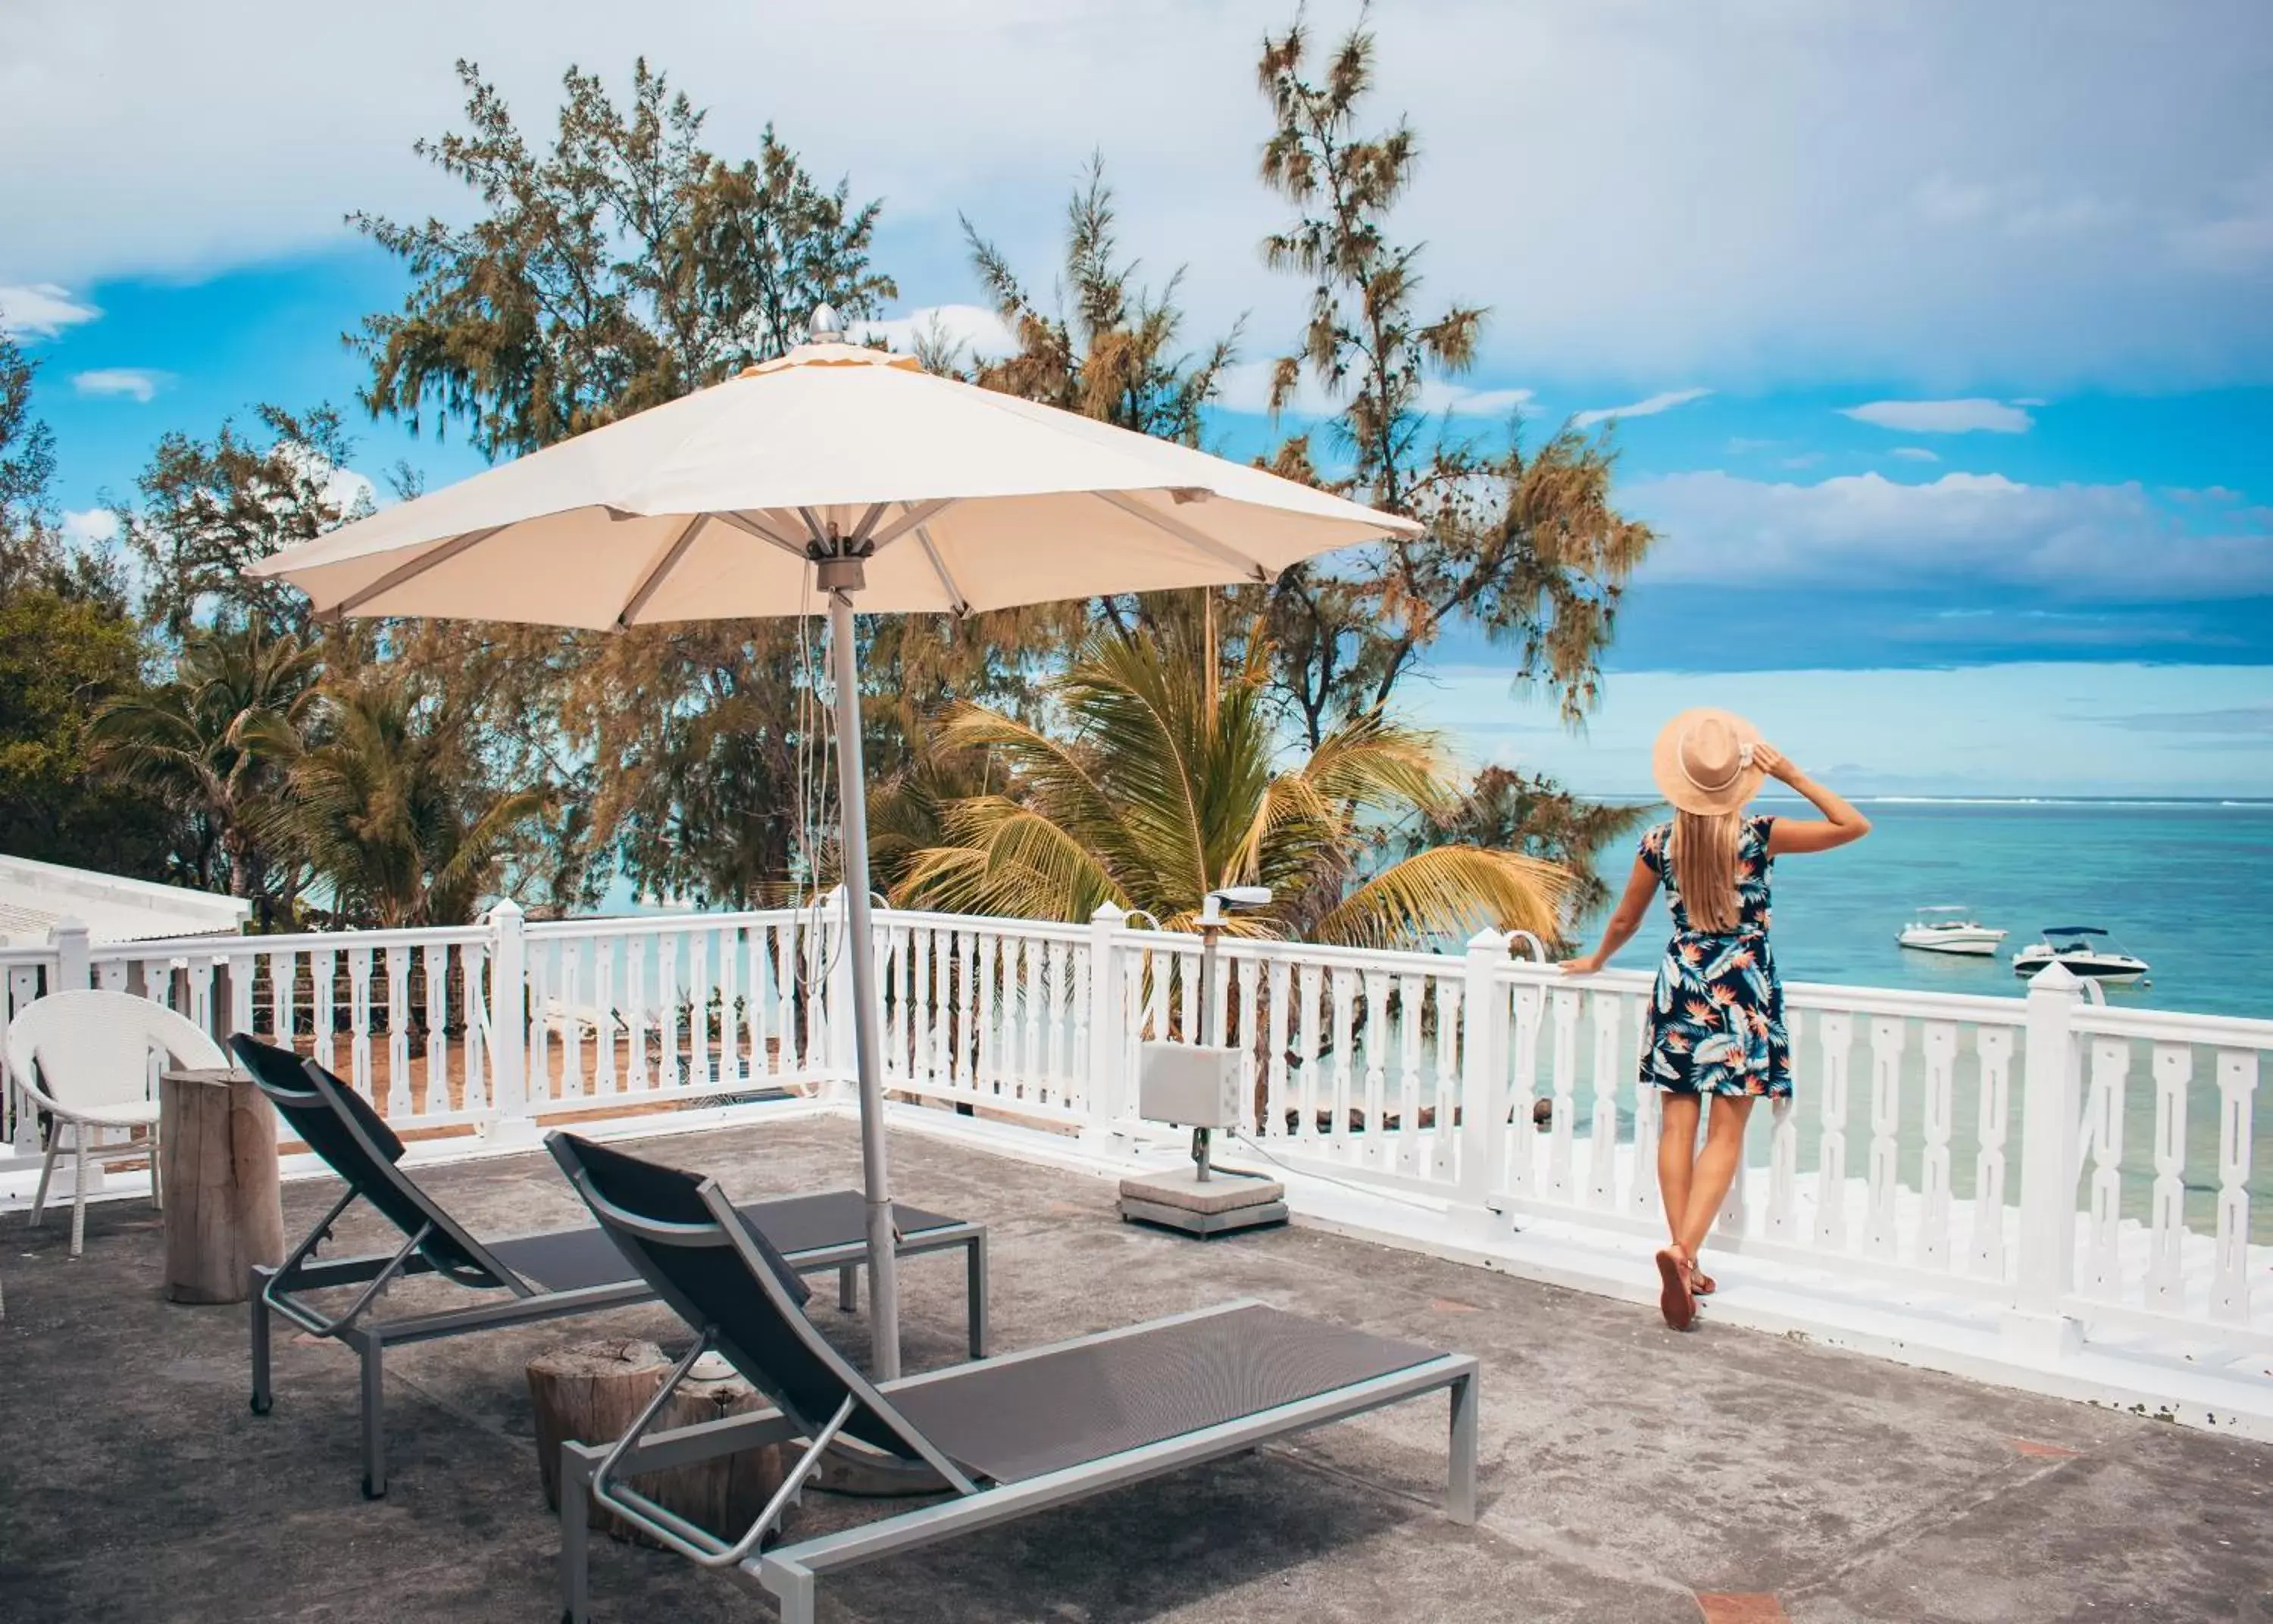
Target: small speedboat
[[2084, 950], [1950, 928]]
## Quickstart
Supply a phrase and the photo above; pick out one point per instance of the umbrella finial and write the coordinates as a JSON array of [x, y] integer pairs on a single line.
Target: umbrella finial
[[825, 328]]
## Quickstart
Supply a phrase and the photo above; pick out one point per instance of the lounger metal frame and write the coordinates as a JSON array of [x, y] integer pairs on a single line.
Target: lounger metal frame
[[793, 1573], [273, 1289]]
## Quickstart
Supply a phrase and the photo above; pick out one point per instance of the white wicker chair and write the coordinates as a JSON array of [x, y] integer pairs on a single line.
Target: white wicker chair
[[83, 1057]]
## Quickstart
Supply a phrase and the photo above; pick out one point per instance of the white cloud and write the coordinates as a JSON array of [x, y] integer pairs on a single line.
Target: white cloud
[[92, 525], [1915, 454], [1865, 532], [342, 487], [1942, 416], [40, 310], [1760, 197], [1664, 401], [978, 331], [140, 383]]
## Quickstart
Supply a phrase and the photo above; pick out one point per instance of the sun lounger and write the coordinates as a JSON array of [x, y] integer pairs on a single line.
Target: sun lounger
[[1003, 1437], [545, 1277]]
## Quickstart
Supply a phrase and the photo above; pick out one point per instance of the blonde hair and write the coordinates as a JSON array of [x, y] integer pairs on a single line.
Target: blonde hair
[[1704, 867]]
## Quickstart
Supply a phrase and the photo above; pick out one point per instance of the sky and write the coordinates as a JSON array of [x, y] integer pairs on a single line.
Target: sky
[[1937, 338]]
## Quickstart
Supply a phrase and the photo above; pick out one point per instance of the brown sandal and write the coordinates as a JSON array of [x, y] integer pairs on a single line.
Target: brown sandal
[[1675, 1300], [1701, 1283]]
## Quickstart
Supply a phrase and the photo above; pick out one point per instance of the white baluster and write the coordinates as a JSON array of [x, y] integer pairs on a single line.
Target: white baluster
[[1030, 1050], [1058, 980], [603, 1009], [669, 1070], [1603, 1132], [1523, 1161], [569, 964], [2174, 1070], [542, 963], [1643, 1198], [2237, 1082], [240, 972], [1838, 1037], [1564, 1063], [473, 960], [2111, 1071], [1280, 984], [1345, 983], [966, 1035], [638, 951], [697, 1011], [987, 1077], [1374, 1150], [1938, 1042], [1081, 1087], [1450, 992], [1994, 1045], [359, 1020], [1411, 1003], [398, 1033], [283, 970], [1313, 985], [729, 1009], [1888, 1039], [436, 958], [753, 1004]]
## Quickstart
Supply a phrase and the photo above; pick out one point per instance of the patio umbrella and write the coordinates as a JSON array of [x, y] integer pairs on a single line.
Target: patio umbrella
[[840, 472]]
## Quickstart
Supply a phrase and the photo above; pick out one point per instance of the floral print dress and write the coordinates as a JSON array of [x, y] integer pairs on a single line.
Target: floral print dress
[[1716, 1021]]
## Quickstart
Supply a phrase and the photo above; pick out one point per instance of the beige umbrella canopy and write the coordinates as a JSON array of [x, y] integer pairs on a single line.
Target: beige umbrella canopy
[[834, 471], [707, 508]]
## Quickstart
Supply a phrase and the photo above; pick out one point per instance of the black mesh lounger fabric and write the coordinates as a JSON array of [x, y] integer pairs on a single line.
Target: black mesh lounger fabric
[[711, 1284], [1020, 1418], [283, 1078], [570, 1259]]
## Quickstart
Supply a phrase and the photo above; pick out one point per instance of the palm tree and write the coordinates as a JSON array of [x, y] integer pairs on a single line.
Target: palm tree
[[1170, 786], [215, 742], [391, 812]]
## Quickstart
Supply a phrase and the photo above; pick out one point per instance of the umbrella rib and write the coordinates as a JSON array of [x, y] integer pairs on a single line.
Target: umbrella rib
[[662, 566], [411, 571], [939, 568], [1198, 540], [914, 516], [742, 522]]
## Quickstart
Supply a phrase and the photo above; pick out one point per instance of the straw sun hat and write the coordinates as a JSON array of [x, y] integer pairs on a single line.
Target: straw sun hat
[[1703, 761]]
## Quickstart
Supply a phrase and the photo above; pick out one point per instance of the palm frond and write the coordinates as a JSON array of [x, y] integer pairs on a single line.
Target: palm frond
[[1447, 895]]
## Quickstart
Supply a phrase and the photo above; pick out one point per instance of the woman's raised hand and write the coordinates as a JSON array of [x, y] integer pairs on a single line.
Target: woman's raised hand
[[1774, 762]]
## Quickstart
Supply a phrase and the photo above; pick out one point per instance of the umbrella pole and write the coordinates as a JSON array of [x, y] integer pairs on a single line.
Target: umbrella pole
[[852, 804]]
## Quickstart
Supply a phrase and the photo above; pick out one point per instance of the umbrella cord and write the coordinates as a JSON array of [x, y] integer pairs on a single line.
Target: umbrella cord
[[815, 740]]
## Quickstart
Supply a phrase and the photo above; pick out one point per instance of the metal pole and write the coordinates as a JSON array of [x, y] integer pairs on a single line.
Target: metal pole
[[869, 1061]]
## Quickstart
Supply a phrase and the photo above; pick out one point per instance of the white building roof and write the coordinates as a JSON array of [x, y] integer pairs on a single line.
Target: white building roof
[[35, 897]]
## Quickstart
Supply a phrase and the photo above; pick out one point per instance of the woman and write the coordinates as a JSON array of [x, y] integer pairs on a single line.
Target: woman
[[1715, 1023]]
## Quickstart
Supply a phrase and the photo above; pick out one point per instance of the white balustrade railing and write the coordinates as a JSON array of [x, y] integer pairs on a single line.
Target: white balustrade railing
[[2073, 1162]]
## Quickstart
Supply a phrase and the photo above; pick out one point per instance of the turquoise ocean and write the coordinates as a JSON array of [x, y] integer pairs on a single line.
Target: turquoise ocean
[[2186, 885]]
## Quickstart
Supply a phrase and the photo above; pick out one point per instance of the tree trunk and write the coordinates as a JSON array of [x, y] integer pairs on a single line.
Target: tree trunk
[[594, 1391], [217, 1169]]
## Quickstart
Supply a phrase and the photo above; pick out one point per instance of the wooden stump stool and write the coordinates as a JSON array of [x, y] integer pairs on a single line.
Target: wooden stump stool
[[217, 1147], [593, 1392]]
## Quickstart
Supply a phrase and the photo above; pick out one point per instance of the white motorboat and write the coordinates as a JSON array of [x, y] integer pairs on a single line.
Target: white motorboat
[[1950, 928], [2085, 950]]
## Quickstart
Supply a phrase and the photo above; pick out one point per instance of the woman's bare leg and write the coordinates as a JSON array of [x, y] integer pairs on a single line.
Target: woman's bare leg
[[1677, 1151], [1715, 1170]]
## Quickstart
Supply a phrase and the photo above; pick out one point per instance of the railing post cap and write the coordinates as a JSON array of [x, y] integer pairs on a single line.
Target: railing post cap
[[1108, 913], [2056, 979], [67, 926], [1488, 940], [505, 908]]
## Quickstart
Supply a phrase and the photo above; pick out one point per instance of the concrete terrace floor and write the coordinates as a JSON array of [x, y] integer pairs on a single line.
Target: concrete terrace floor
[[1628, 1473]]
